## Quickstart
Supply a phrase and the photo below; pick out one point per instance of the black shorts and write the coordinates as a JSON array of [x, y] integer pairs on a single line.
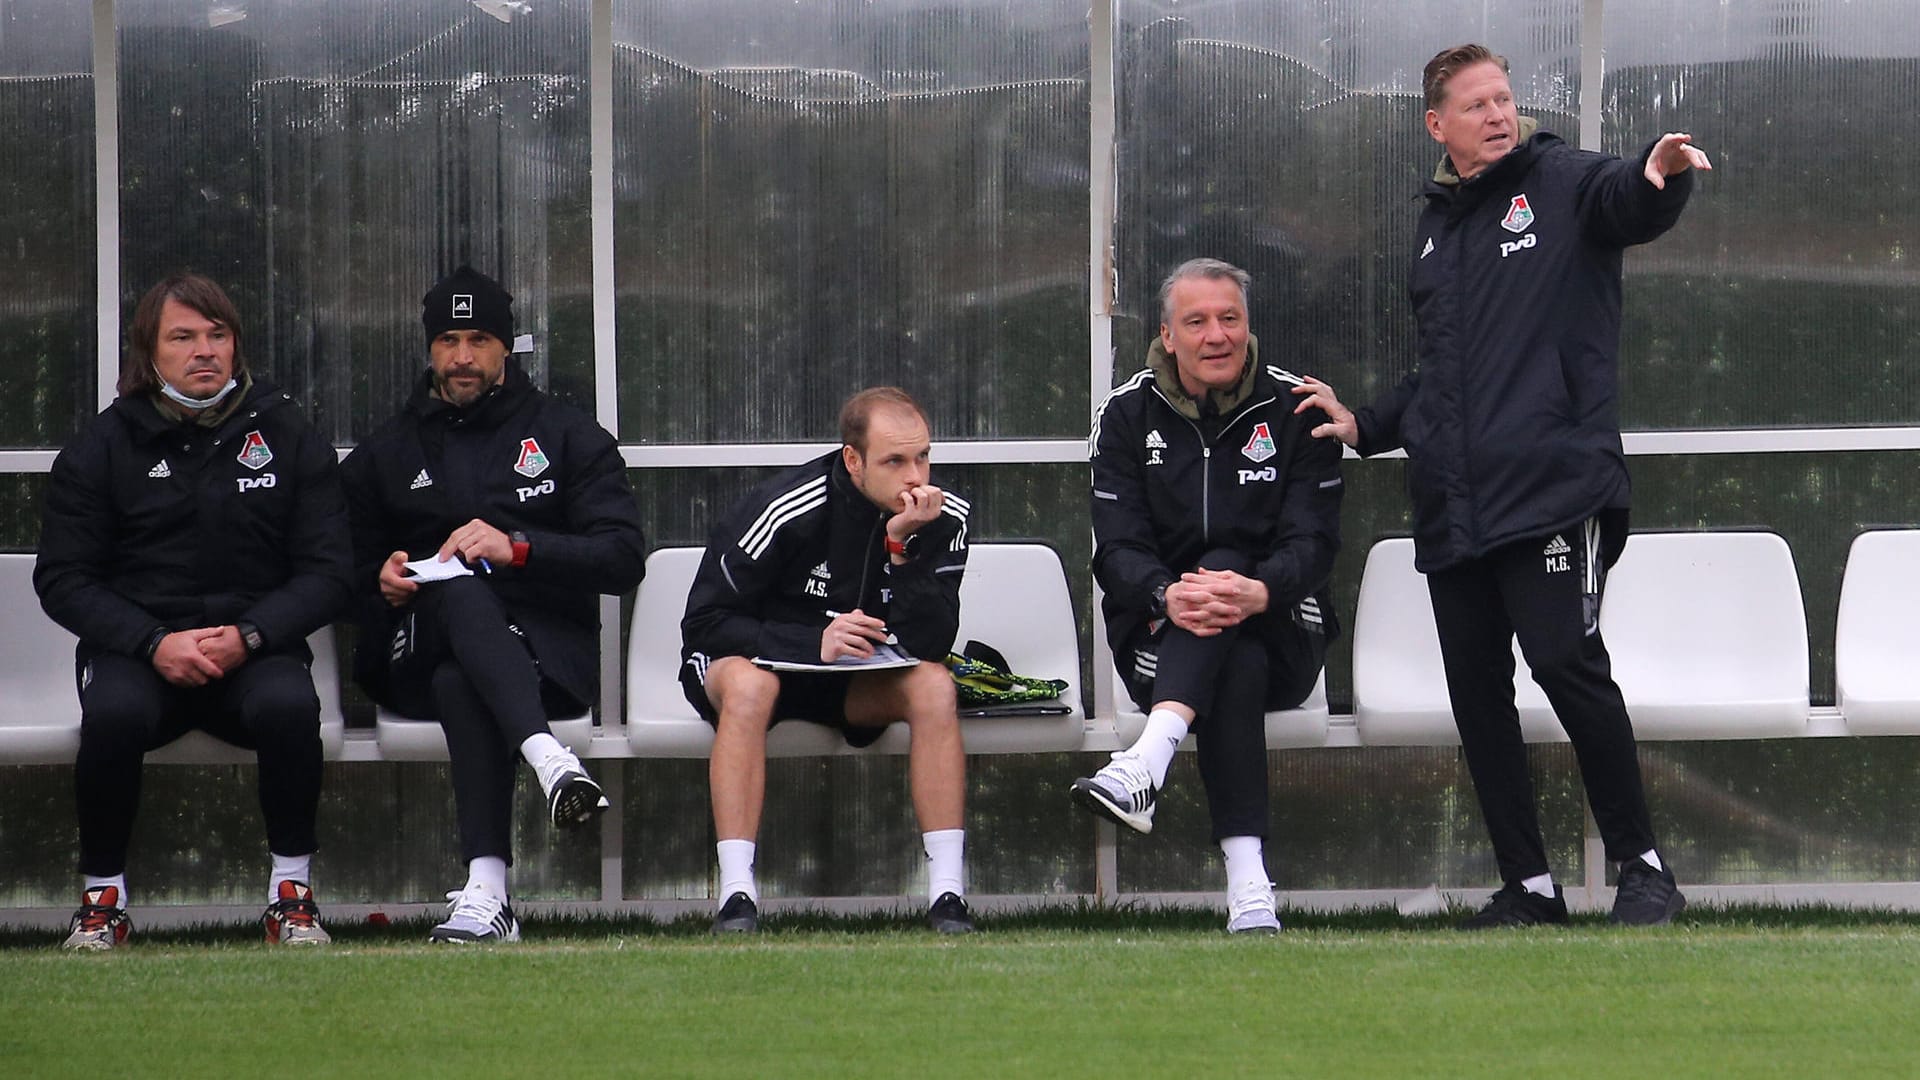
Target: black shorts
[[817, 697]]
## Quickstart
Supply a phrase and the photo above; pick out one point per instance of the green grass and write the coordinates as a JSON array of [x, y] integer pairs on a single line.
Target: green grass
[[1133, 993]]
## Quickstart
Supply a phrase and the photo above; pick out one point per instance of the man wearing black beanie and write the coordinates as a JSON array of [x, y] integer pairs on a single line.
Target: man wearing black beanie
[[481, 472]]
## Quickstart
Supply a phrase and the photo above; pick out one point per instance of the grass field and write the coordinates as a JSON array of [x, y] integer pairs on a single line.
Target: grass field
[[1058, 994]]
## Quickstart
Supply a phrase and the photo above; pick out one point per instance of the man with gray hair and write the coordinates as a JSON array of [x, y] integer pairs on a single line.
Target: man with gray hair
[[1216, 516]]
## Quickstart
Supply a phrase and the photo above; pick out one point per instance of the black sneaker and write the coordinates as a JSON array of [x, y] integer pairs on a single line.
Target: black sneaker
[[1645, 896], [739, 915], [1516, 905], [950, 915], [574, 799]]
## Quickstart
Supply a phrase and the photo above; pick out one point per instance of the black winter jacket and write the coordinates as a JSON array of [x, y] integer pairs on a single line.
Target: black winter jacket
[[1167, 489], [1511, 420], [806, 543], [151, 524], [520, 461]]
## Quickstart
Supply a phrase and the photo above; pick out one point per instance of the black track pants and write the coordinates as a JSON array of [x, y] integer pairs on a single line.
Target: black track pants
[[1230, 681], [126, 709], [1547, 591], [476, 677]]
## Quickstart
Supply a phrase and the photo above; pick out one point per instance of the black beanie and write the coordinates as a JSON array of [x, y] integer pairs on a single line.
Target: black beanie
[[468, 300]]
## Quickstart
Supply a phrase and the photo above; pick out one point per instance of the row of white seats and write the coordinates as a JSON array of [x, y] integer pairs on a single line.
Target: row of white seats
[[1014, 597], [1707, 632]]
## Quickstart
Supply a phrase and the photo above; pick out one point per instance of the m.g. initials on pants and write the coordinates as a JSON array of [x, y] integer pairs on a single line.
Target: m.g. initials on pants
[[1558, 555]]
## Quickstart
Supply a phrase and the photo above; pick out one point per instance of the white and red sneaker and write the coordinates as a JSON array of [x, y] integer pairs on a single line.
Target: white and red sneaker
[[101, 923], [294, 919]]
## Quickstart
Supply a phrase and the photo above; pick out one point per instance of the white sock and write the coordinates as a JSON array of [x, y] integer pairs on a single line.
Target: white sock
[[946, 862], [1651, 858], [489, 871], [118, 881], [1157, 743], [289, 868], [1246, 861], [537, 749], [1540, 885], [736, 869]]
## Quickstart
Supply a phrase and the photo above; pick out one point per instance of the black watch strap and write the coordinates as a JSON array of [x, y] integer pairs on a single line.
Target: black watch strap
[[250, 636]]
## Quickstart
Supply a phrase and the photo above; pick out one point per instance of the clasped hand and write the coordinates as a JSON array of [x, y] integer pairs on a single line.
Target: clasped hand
[[197, 657], [1204, 602]]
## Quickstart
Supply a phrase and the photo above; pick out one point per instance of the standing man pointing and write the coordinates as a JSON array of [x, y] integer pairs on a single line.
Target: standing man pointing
[[1519, 485]]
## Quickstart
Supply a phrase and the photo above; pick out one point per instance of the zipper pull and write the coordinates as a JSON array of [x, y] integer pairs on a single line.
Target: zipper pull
[[1206, 451]]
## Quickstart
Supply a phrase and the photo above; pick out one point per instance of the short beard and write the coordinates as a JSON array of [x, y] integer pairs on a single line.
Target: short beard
[[456, 398]]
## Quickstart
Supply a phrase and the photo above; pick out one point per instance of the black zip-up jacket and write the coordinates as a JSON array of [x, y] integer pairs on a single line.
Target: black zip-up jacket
[[153, 525], [1167, 489], [519, 461], [1511, 420], [806, 543]]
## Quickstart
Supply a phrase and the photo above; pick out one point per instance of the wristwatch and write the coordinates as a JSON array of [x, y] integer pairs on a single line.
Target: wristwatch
[[1160, 598], [250, 637], [907, 548], [520, 547]]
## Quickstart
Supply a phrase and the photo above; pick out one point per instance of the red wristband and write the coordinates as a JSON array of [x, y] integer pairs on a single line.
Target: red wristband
[[520, 546], [896, 547]]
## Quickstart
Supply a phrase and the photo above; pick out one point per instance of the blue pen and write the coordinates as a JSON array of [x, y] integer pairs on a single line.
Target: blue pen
[[486, 566]]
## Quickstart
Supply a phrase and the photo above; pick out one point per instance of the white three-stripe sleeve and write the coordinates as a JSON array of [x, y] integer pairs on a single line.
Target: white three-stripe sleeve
[[781, 510]]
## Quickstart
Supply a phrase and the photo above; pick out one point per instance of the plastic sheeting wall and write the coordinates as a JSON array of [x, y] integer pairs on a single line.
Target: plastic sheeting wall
[[814, 198], [47, 222], [328, 161]]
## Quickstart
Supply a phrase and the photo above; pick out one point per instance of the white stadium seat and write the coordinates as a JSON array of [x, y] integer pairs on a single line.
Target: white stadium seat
[[1399, 687], [1876, 649]]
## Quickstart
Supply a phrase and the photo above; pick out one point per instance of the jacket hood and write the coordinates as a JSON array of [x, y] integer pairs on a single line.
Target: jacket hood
[[1166, 376], [1446, 175]]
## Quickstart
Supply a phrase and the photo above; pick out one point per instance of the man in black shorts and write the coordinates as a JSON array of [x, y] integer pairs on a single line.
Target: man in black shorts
[[825, 564]]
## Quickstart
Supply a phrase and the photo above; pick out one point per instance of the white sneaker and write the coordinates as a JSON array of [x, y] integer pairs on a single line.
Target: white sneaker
[[1250, 909], [572, 796], [1122, 792], [476, 915]]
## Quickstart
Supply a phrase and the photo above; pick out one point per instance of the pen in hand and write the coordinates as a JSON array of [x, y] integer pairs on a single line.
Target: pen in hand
[[888, 640]]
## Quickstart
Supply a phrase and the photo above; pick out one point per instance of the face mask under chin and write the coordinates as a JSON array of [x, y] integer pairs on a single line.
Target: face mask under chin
[[208, 402]]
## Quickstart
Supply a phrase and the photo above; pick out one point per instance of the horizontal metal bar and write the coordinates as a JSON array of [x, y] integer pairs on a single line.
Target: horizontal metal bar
[[1771, 440], [1071, 451], [945, 452], [26, 461]]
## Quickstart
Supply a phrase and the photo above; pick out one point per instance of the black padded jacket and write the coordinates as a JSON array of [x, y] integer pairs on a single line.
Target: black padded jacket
[[151, 524], [1511, 420], [522, 462]]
